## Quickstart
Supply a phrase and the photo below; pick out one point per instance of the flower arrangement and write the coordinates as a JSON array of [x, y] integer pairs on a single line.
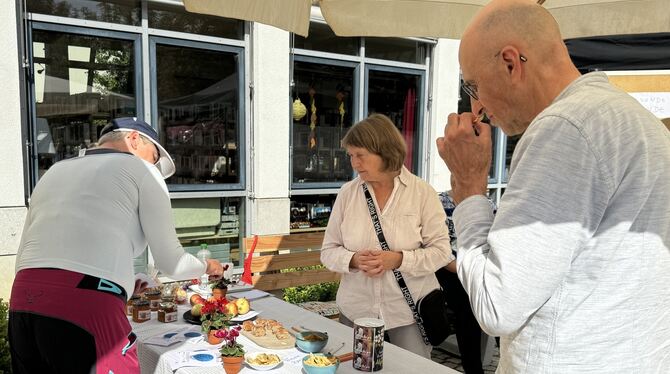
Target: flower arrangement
[[214, 315], [230, 347]]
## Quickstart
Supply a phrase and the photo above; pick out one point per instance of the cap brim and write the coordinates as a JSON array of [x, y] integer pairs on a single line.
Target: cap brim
[[165, 163]]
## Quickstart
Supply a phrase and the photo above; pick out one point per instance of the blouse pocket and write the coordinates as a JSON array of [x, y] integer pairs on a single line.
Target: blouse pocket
[[407, 232]]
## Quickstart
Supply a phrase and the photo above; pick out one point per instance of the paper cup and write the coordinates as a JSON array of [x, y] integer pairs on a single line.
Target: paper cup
[[368, 344]]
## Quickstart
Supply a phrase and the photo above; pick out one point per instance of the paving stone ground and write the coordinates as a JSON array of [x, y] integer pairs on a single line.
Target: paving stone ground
[[451, 360]]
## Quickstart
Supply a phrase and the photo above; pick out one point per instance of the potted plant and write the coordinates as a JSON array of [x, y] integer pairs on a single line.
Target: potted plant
[[232, 352], [214, 317], [220, 287]]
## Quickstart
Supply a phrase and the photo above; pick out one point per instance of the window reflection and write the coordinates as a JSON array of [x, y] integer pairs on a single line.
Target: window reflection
[[322, 38], [81, 82], [397, 49], [176, 18], [198, 101], [310, 213], [325, 91], [125, 12], [398, 96]]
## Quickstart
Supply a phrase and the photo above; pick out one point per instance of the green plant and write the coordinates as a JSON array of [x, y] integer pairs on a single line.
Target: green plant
[[5, 358], [230, 347], [313, 292], [214, 315]]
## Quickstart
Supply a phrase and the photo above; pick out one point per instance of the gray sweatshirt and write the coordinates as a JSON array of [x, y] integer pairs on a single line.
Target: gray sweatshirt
[[574, 271]]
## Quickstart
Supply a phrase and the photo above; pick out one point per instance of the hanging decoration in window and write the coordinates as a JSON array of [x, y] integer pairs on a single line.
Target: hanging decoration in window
[[299, 109], [312, 120], [340, 99]]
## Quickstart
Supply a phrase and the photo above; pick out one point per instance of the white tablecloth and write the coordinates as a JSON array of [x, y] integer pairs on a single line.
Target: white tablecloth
[[155, 359]]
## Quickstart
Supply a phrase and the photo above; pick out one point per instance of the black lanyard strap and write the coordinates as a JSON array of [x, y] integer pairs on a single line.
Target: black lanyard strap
[[398, 276]]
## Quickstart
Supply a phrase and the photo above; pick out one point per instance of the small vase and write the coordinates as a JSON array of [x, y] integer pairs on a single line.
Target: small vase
[[232, 364], [211, 339], [219, 293]]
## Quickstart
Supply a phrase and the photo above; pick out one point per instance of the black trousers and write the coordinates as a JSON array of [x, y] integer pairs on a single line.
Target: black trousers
[[468, 332], [46, 345]]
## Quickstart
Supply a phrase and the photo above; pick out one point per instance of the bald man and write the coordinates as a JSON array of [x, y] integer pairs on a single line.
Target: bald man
[[574, 270]]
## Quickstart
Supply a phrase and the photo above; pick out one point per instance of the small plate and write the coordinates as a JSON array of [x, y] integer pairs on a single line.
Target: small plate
[[249, 356], [207, 292], [190, 318], [243, 317]]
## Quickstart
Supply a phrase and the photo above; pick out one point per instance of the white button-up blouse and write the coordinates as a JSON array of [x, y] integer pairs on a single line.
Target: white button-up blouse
[[413, 222]]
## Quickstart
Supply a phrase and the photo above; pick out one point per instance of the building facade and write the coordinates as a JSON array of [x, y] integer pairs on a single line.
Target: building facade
[[253, 115]]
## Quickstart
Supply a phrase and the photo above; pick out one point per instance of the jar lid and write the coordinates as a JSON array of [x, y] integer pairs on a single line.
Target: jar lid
[[167, 305], [152, 293], [141, 302]]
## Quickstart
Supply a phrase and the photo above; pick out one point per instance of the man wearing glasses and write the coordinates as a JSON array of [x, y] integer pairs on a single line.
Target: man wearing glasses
[[89, 217], [572, 272]]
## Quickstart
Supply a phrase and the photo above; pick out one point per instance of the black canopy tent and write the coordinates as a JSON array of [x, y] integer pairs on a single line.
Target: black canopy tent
[[621, 52]]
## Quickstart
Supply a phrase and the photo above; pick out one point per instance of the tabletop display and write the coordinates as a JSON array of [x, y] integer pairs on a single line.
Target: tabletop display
[[182, 347]]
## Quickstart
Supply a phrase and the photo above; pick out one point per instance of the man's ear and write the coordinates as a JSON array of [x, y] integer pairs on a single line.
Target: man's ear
[[511, 57], [134, 137]]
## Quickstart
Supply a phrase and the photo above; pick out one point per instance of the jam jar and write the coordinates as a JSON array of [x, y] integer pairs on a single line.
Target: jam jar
[[141, 311], [167, 312], [154, 297], [129, 305]]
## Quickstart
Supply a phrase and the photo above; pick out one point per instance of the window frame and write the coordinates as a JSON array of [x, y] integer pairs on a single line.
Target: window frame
[[75, 30], [154, 41], [354, 115], [421, 90]]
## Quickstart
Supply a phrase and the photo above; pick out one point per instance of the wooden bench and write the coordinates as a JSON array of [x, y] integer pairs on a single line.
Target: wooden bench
[[274, 253]]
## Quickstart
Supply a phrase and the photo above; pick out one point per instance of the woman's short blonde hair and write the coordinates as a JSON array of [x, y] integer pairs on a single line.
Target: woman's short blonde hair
[[378, 135]]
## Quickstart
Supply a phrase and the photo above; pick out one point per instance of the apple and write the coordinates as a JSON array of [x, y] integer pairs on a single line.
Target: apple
[[231, 308], [197, 299], [180, 296], [196, 310], [242, 305]]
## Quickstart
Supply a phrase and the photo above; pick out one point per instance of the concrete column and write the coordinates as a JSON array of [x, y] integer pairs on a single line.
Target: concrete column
[[12, 201], [445, 88], [270, 130]]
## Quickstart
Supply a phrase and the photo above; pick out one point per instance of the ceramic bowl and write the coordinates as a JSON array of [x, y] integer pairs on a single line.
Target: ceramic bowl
[[311, 341], [311, 369], [255, 365]]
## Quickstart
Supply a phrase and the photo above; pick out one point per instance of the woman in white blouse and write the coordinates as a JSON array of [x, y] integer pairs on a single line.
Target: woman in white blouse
[[412, 220]]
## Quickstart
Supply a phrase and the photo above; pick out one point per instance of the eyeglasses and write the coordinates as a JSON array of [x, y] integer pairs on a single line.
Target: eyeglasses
[[470, 88]]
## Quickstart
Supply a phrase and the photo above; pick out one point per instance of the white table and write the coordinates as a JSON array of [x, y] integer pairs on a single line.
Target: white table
[[396, 360]]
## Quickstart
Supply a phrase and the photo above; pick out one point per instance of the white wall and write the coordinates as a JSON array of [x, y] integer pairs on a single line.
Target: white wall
[[12, 204], [270, 205], [445, 86]]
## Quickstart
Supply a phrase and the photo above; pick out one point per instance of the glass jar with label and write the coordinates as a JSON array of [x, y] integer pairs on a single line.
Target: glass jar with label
[[167, 312], [129, 305], [141, 311], [154, 297]]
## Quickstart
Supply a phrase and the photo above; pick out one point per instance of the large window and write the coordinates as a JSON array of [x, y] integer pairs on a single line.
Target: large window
[[396, 93], [337, 82], [198, 96], [322, 113], [90, 65], [80, 83]]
